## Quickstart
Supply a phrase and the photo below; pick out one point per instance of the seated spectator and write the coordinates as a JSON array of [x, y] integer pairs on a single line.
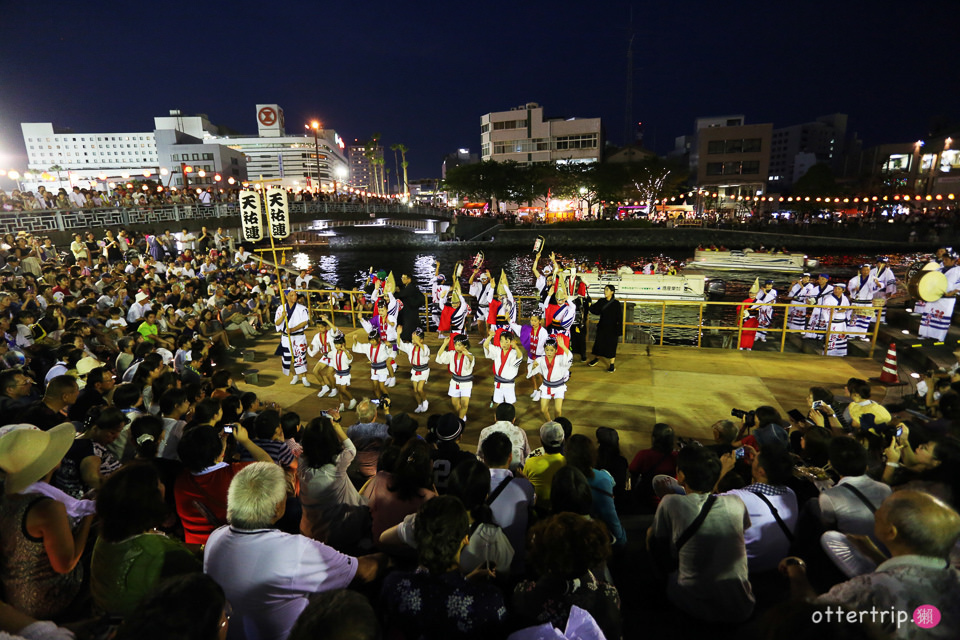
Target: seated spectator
[[920, 531], [436, 601], [769, 431], [174, 405], [394, 495], [539, 470], [131, 557], [446, 434], [201, 488], [290, 423], [15, 389], [563, 548], [338, 614], [704, 535], [849, 506], [40, 543], [861, 404], [612, 461], [570, 492], [506, 415], [488, 546], [99, 384], [186, 607], [333, 510], [51, 410], [268, 575], [659, 459], [367, 436], [772, 507], [268, 435], [89, 460], [581, 453]]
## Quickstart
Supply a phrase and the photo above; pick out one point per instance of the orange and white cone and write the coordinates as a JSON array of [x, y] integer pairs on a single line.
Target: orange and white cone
[[888, 374]]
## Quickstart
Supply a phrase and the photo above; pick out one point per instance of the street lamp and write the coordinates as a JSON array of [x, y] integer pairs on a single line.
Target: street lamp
[[341, 173], [315, 125]]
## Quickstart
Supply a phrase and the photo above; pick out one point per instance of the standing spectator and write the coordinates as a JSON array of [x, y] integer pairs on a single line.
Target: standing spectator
[[393, 495], [539, 470], [506, 415], [581, 453], [659, 459], [703, 534], [511, 498]]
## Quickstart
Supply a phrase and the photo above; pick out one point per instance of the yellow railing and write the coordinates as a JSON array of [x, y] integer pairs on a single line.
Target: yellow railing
[[526, 302]]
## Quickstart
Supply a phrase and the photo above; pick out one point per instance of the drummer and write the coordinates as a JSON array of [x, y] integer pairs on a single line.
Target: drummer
[[861, 290], [937, 315]]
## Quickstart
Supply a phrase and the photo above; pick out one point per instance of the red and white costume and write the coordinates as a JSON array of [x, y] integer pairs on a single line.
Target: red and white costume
[[460, 366], [378, 354], [323, 344], [340, 361], [419, 359], [506, 366], [555, 374]]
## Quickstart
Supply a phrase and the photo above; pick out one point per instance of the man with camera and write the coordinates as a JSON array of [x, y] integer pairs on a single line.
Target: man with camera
[[368, 435]]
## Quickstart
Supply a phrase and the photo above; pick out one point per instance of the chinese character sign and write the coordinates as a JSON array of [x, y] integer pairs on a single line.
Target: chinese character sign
[[278, 213], [250, 214]]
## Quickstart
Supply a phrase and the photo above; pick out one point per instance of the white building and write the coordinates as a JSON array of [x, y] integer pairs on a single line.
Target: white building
[[523, 135], [290, 161], [179, 142]]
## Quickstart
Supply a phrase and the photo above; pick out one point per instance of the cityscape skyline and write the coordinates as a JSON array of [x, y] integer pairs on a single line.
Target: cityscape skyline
[[424, 78]]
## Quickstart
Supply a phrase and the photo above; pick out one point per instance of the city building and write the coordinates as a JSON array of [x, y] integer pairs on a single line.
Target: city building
[[523, 135], [191, 146], [300, 161], [730, 157], [794, 149], [924, 167], [363, 173], [63, 158], [458, 158]]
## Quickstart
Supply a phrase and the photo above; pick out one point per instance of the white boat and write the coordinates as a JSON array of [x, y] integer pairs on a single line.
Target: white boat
[[632, 287], [751, 261]]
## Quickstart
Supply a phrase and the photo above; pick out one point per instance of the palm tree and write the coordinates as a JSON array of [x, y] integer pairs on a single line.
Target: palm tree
[[387, 179], [58, 169], [402, 148], [376, 161]]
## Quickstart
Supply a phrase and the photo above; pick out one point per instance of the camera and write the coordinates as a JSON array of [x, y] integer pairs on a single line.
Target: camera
[[228, 428], [746, 416], [687, 442]]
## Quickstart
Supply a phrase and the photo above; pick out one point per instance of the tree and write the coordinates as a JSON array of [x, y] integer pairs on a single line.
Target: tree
[[402, 148]]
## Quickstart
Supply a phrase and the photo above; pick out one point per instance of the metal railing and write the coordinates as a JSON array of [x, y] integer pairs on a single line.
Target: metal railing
[[46, 220]]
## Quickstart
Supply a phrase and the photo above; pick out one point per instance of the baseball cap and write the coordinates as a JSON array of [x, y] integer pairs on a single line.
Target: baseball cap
[[551, 434]]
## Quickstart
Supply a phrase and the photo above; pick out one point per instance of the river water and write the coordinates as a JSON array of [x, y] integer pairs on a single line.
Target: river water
[[348, 269]]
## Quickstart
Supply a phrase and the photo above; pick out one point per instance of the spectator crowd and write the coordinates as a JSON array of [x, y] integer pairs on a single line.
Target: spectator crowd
[[146, 496]]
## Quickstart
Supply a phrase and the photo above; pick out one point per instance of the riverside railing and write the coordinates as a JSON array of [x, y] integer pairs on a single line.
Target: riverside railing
[[355, 312], [46, 220]]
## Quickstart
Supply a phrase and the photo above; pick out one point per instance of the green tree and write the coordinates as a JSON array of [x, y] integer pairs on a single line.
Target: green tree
[[402, 148]]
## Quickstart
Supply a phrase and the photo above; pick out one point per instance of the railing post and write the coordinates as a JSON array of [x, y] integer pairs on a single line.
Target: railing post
[[826, 337], [739, 328], [876, 330], [783, 333], [623, 324], [700, 327], [663, 318]]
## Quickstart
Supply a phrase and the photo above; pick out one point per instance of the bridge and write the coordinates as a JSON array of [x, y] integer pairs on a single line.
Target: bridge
[[315, 216]]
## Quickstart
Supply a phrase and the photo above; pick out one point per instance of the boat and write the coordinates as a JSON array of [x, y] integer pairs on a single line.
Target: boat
[[634, 287], [751, 261]]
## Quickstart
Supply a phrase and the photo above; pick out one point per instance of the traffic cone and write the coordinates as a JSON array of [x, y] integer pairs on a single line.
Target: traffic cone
[[888, 373]]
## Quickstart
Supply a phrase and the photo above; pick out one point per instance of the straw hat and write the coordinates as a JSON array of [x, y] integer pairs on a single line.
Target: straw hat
[[27, 454]]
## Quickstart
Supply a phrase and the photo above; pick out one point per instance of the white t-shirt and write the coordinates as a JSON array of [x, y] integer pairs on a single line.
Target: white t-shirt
[[766, 542], [268, 576]]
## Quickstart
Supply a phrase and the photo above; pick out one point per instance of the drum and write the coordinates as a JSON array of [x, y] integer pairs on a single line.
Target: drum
[[928, 286]]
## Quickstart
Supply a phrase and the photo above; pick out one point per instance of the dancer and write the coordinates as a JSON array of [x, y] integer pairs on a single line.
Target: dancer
[[836, 342], [386, 327], [937, 315], [378, 354], [818, 321], [323, 344], [506, 357], [861, 290], [555, 369], [533, 337], [460, 364], [340, 361], [293, 342], [886, 285], [438, 299], [419, 356], [482, 290]]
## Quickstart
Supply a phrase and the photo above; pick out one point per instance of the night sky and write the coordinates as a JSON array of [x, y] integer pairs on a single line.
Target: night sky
[[423, 73]]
